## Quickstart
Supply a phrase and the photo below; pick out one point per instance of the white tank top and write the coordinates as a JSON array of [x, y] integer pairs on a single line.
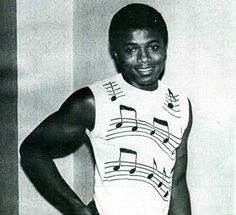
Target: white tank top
[[134, 140]]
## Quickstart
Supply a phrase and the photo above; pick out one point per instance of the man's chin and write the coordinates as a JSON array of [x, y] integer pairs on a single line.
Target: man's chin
[[148, 81], [148, 85]]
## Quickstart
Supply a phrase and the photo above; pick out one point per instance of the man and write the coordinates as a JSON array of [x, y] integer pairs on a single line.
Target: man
[[136, 126]]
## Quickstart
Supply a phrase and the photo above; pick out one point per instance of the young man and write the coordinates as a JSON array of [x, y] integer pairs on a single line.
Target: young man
[[137, 127]]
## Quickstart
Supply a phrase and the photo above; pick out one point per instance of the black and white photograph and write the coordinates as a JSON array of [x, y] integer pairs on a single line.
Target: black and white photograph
[[117, 107]]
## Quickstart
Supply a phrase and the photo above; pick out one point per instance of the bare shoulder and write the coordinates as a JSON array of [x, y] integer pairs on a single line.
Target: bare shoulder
[[79, 99], [80, 106]]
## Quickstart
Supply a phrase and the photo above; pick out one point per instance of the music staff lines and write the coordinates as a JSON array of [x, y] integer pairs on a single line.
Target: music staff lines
[[171, 95], [160, 177], [139, 166], [114, 170], [157, 182], [140, 131], [110, 82], [162, 134], [163, 195], [171, 113], [170, 153], [177, 111], [113, 90], [111, 93], [147, 124], [168, 99], [171, 99], [118, 96], [168, 147]]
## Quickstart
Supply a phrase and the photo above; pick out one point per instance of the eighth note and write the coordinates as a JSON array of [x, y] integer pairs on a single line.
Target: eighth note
[[161, 182], [113, 98], [171, 96], [163, 123], [126, 151], [153, 167], [125, 108]]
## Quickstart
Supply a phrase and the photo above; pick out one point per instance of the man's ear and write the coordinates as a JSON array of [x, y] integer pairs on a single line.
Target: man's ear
[[116, 57]]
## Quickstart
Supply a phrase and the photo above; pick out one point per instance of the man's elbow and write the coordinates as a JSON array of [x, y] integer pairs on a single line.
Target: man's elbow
[[27, 148], [24, 150], [25, 155], [29, 153]]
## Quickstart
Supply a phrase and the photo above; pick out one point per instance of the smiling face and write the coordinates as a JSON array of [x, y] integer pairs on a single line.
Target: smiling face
[[141, 55]]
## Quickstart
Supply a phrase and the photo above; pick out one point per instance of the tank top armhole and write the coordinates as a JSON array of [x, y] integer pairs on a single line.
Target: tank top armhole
[[186, 115], [97, 95]]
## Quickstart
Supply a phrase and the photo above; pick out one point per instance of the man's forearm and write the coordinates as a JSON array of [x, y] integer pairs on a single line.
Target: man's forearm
[[44, 175], [180, 200]]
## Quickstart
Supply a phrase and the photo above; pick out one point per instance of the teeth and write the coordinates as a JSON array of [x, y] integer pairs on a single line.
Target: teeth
[[144, 69]]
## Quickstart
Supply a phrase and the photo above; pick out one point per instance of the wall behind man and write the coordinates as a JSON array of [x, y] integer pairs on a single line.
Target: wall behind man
[[45, 66], [201, 63], [8, 109]]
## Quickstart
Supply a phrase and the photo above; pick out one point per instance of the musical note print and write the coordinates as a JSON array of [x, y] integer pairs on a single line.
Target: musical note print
[[172, 99], [154, 167], [163, 123], [130, 152], [171, 104], [164, 176], [166, 194], [132, 170], [158, 131], [113, 90], [123, 109], [150, 176]]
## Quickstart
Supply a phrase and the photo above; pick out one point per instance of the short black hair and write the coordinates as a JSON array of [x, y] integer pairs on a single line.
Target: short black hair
[[136, 16]]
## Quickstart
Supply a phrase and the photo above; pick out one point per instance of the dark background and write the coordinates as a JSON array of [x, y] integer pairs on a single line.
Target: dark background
[[8, 109]]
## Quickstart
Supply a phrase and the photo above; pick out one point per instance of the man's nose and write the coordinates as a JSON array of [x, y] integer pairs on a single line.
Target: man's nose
[[143, 56]]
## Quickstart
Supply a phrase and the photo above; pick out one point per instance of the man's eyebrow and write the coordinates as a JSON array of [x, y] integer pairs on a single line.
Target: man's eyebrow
[[149, 42], [154, 41], [130, 44]]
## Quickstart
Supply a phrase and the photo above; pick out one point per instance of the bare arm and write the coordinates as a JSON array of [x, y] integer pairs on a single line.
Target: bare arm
[[180, 200], [58, 135]]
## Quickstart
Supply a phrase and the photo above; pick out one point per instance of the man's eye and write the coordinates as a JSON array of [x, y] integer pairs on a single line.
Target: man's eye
[[155, 47], [130, 50]]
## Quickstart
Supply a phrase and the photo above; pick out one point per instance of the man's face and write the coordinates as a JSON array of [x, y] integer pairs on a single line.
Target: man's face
[[141, 55]]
